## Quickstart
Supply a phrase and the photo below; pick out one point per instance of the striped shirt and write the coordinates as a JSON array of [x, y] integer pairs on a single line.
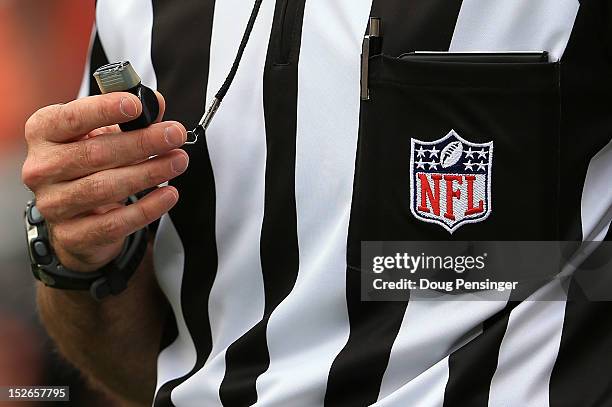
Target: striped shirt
[[253, 259]]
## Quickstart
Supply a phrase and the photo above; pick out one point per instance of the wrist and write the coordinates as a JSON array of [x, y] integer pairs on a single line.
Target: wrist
[[84, 263], [111, 279]]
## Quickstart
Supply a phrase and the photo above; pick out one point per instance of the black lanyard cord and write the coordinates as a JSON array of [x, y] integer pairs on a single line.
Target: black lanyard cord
[[200, 129]]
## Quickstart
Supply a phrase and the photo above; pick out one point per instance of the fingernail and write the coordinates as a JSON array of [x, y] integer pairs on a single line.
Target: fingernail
[[179, 164], [174, 136], [128, 107], [170, 197]]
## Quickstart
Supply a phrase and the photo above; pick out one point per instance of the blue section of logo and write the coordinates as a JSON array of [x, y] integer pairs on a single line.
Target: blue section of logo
[[472, 160]]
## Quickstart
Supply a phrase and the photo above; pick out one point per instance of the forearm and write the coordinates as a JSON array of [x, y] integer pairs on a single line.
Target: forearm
[[114, 342], [79, 167]]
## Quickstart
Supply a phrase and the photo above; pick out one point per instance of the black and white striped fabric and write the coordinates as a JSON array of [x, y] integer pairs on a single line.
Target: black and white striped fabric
[[253, 259]]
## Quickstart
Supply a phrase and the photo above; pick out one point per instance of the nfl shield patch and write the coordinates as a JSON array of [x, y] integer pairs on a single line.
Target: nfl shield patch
[[450, 181]]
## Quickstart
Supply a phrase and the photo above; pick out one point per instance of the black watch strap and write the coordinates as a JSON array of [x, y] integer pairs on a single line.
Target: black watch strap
[[110, 279]]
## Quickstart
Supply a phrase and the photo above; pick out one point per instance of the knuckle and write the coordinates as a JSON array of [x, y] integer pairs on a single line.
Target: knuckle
[[40, 119], [47, 206], [71, 118], [142, 179], [32, 173], [64, 236], [45, 167], [144, 144], [104, 110], [143, 214], [101, 189], [32, 126], [93, 153], [110, 229], [152, 176], [62, 204], [134, 185]]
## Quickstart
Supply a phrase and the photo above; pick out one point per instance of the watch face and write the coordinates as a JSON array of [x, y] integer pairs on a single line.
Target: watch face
[[31, 233], [38, 247], [47, 268]]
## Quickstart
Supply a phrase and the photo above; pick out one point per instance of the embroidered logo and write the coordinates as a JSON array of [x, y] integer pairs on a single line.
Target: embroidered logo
[[450, 181]]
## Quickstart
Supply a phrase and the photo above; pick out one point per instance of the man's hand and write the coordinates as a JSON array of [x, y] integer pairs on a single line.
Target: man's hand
[[81, 167]]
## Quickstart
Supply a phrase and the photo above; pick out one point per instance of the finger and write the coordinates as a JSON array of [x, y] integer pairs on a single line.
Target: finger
[[83, 234], [115, 127], [103, 130], [162, 106], [62, 123], [69, 199], [65, 162]]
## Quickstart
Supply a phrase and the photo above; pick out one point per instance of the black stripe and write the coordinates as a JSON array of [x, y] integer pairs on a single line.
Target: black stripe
[[406, 26], [181, 37], [586, 123], [169, 331], [97, 58], [579, 376], [248, 357], [472, 367], [357, 371], [416, 25], [585, 351]]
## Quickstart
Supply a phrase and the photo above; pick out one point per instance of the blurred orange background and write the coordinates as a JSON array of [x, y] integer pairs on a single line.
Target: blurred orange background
[[44, 46]]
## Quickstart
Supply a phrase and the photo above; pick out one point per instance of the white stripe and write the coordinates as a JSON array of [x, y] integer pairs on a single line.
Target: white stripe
[[169, 256], [482, 25], [515, 25], [425, 390], [124, 28], [237, 146], [529, 349], [430, 331], [531, 343], [84, 89], [595, 207], [310, 327], [597, 194]]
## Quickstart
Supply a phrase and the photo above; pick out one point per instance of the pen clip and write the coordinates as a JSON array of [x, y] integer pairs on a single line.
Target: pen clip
[[371, 46]]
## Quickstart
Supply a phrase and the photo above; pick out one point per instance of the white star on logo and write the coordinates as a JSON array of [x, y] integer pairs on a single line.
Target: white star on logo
[[421, 152], [469, 165], [482, 153], [433, 152], [469, 153], [481, 166], [420, 164], [433, 165]]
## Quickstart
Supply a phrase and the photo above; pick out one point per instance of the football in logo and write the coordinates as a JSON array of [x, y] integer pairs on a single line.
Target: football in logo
[[451, 154], [450, 181]]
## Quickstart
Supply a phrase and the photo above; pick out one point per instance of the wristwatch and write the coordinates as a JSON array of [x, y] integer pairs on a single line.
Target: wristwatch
[[110, 279]]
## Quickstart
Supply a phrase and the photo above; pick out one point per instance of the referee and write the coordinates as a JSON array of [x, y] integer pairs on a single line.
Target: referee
[[248, 292]]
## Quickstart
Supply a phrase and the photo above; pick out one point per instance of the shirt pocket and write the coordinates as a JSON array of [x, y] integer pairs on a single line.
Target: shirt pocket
[[457, 151]]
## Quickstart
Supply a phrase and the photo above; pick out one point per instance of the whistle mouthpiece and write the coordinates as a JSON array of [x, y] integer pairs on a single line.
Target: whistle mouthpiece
[[116, 77]]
